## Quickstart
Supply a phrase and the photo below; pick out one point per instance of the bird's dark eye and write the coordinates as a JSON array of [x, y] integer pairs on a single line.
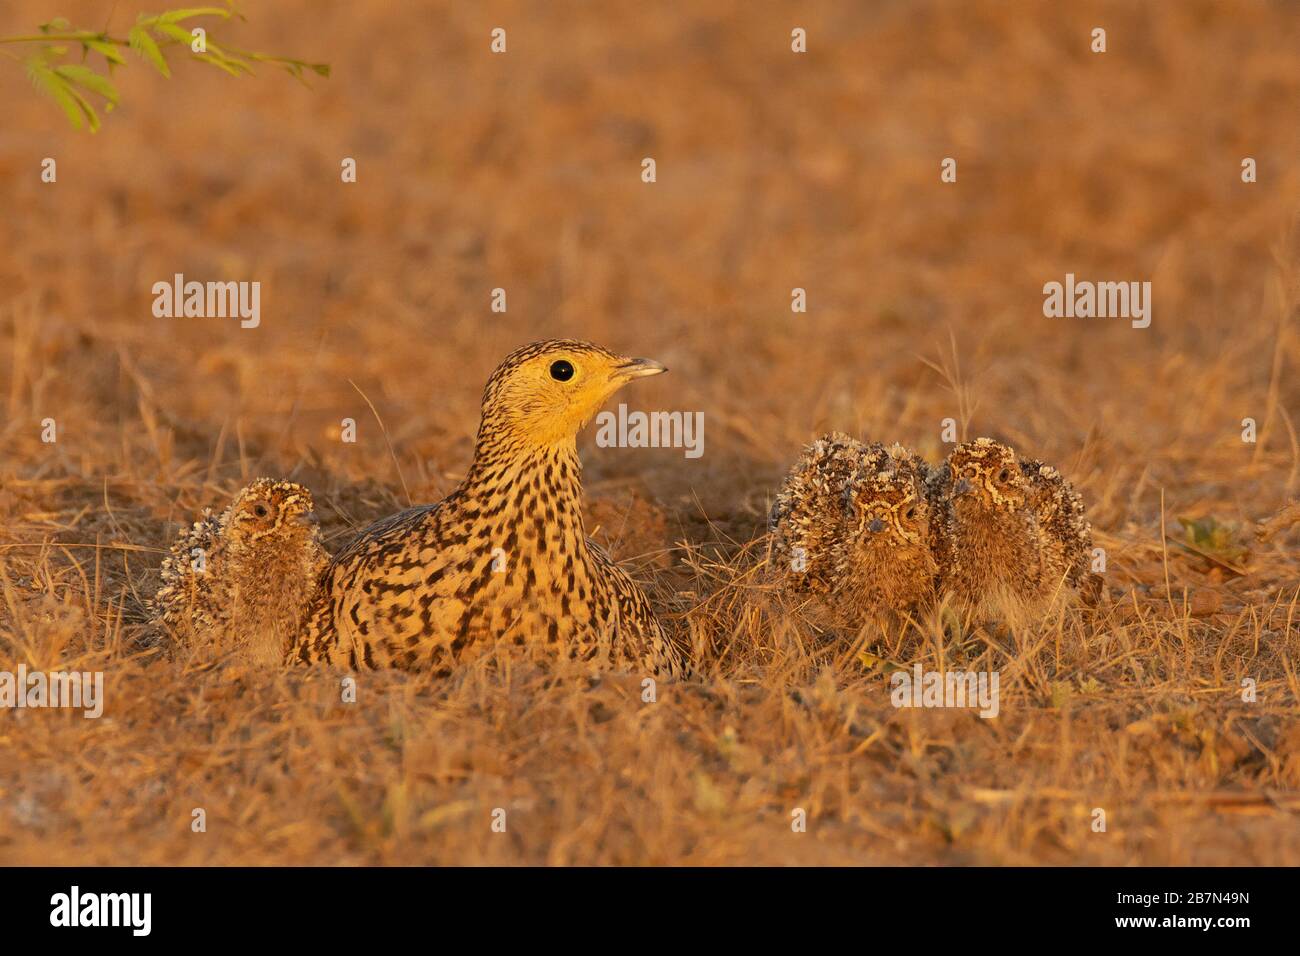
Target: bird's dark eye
[[1004, 475], [261, 511], [911, 512], [561, 370]]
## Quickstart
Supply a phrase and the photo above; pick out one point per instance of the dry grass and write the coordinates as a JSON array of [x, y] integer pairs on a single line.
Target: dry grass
[[774, 171]]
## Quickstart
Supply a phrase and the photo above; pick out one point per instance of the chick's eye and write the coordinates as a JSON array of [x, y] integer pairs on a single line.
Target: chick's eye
[[1004, 475], [911, 512], [261, 511], [561, 370]]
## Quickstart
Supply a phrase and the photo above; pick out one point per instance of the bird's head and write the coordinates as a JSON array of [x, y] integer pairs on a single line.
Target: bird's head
[[885, 499], [986, 476], [270, 510], [544, 393]]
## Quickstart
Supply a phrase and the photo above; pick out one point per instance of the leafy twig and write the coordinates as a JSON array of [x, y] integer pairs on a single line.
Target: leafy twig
[[78, 89]]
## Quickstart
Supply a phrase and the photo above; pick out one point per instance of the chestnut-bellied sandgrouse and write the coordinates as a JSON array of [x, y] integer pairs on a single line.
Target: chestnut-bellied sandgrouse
[[1012, 534], [851, 524], [1064, 530], [240, 581], [504, 558]]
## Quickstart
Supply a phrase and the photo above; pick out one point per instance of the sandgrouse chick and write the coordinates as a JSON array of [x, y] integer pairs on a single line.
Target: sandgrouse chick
[[1064, 530], [852, 524], [241, 580], [1011, 536], [807, 521], [505, 556]]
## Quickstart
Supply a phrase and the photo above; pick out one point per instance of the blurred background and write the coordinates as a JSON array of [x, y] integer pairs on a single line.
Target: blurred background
[[775, 171]]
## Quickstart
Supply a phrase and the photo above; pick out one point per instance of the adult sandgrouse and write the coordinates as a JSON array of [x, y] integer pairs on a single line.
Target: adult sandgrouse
[[1011, 537], [852, 525], [505, 556], [240, 581]]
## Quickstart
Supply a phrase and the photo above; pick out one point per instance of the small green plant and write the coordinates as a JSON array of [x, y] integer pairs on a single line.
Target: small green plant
[[1215, 541], [78, 89]]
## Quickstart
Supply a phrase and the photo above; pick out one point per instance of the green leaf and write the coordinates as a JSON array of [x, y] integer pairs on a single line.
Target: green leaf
[[89, 80], [55, 87], [147, 48], [179, 34], [109, 51], [57, 25], [295, 67], [233, 67], [221, 54], [92, 118]]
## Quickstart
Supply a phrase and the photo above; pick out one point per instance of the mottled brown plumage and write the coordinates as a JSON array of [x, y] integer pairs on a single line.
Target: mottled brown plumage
[[503, 558], [1064, 530], [240, 581], [1011, 537], [807, 519], [851, 525]]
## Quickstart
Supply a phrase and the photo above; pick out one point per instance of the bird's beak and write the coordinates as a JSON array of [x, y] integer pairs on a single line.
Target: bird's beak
[[876, 525], [963, 487], [639, 368]]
